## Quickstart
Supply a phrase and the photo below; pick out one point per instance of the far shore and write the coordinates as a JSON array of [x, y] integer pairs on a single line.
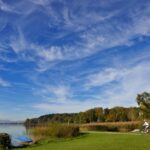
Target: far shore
[[11, 123]]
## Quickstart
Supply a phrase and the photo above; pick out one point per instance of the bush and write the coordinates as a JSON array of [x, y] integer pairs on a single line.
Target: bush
[[64, 131], [114, 126], [5, 141], [54, 130], [100, 128]]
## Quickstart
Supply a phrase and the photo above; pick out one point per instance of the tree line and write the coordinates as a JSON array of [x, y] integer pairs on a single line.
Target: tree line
[[99, 114]]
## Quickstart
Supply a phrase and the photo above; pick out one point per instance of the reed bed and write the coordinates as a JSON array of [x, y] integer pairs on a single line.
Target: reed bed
[[54, 130], [112, 126]]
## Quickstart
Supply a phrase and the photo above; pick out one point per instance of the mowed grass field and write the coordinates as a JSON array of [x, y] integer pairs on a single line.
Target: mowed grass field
[[97, 141]]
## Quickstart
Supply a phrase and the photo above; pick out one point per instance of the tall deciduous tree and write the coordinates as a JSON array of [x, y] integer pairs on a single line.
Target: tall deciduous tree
[[143, 101]]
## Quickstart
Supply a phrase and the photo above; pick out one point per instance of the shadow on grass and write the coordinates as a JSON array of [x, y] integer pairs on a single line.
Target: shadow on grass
[[58, 140], [18, 147], [55, 140]]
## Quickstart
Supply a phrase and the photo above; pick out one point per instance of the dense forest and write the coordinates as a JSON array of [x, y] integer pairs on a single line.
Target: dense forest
[[92, 115]]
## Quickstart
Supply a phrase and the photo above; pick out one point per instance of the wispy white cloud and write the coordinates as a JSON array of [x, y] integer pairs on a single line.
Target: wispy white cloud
[[101, 35], [5, 7], [104, 77], [57, 42], [40, 2], [67, 107], [51, 54], [4, 83], [14, 8], [53, 93], [18, 43], [128, 83], [72, 21], [114, 87], [62, 92]]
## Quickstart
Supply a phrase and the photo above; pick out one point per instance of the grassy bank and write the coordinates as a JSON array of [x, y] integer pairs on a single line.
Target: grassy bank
[[96, 141]]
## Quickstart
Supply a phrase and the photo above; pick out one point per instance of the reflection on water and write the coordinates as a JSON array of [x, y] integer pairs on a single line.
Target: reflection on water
[[13, 130]]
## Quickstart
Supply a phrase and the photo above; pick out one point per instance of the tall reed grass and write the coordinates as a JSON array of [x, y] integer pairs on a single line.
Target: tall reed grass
[[111, 126], [54, 130]]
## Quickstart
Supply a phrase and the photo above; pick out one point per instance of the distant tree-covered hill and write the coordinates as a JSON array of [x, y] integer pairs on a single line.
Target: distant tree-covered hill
[[10, 122], [98, 114]]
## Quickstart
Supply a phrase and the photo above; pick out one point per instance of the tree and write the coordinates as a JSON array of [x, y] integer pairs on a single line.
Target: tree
[[83, 117], [99, 114], [143, 101], [91, 115], [133, 114]]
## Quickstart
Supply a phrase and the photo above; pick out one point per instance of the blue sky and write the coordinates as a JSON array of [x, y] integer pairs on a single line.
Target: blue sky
[[68, 55]]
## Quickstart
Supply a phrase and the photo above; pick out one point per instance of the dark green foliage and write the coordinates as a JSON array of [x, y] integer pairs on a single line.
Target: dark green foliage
[[5, 141], [143, 101], [99, 114], [114, 127], [100, 128], [117, 114]]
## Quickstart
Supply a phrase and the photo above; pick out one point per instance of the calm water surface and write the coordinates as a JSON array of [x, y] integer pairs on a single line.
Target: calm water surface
[[13, 130]]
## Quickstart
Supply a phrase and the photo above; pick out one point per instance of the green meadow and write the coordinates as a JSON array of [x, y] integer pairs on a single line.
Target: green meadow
[[96, 141]]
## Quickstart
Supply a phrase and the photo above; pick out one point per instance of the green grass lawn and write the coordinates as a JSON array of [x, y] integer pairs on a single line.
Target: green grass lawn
[[97, 141]]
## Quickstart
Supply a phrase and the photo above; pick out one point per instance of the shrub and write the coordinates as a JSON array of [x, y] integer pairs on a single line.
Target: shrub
[[113, 126], [54, 130], [5, 141], [100, 128]]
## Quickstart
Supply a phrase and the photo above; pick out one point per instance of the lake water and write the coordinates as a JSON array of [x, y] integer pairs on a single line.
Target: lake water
[[13, 130]]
